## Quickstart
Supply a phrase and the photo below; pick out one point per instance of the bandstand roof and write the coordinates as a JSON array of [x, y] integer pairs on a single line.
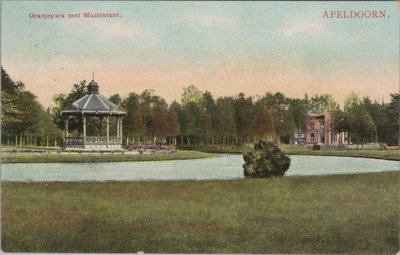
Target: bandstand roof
[[93, 104]]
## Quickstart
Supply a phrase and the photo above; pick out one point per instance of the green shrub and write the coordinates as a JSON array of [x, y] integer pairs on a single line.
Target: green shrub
[[265, 160]]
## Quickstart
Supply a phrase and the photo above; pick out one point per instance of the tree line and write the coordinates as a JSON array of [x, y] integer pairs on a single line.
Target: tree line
[[199, 119], [367, 121], [24, 121]]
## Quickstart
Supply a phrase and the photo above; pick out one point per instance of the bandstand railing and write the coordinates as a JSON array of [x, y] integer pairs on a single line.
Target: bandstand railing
[[93, 140]]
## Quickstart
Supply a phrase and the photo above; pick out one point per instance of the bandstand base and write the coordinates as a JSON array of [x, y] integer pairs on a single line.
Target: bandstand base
[[93, 143], [94, 147]]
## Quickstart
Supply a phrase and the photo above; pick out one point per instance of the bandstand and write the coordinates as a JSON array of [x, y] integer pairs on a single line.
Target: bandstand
[[92, 111]]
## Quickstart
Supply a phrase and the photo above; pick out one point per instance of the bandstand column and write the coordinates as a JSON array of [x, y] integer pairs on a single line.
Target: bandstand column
[[66, 132], [118, 126], [66, 127], [108, 128], [84, 127]]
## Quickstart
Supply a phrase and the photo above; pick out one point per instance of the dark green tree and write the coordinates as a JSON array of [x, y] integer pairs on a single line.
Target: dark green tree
[[62, 101], [244, 114], [265, 160], [322, 103], [393, 116], [133, 121], [358, 123], [225, 119], [194, 111], [173, 127], [116, 99], [263, 125], [24, 120], [208, 119], [298, 111], [283, 122]]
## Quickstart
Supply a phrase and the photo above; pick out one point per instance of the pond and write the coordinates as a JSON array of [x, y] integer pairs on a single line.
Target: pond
[[220, 167]]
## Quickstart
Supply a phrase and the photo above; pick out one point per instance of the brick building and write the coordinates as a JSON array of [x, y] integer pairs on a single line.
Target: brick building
[[319, 129]]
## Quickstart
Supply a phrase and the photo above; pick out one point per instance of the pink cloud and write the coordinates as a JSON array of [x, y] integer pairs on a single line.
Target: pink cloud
[[306, 27]]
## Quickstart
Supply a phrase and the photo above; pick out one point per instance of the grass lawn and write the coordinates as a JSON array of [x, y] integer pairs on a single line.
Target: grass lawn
[[10, 155], [389, 154], [54, 157], [320, 214]]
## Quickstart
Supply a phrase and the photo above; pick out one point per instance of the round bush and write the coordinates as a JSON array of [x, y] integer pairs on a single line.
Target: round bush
[[265, 160]]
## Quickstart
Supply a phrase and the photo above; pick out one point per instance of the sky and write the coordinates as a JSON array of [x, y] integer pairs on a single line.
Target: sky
[[222, 47]]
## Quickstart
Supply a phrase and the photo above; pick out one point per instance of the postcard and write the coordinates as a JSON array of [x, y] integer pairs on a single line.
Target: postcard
[[200, 127]]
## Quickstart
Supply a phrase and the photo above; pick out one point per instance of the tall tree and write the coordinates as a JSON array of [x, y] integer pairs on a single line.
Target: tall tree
[[351, 100], [298, 110], [208, 117], [191, 94], [322, 103], [358, 123], [244, 114], [173, 127], [154, 109], [195, 113], [116, 99], [133, 121], [263, 124], [393, 115], [12, 116], [62, 101], [225, 118], [23, 117], [278, 103]]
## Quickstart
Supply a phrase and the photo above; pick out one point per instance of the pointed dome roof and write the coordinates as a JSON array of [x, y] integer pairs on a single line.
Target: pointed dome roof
[[93, 87], [93, 103]]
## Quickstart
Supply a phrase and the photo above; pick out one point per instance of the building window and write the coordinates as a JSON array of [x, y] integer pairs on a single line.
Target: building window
[[321, 124], [312, 137]]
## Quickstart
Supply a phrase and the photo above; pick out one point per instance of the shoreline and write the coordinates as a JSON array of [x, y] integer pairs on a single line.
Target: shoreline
[[86, 157], [390, 154], [336, 175], [43, 155]]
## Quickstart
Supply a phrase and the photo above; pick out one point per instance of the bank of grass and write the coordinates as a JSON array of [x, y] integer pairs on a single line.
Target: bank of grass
[[389, 154], [32, 155], [322, 214], [64, 157]]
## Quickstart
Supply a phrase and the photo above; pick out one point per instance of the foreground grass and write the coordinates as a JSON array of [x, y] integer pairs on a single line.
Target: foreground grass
[[321, 214], [45, 157], [390, 154]]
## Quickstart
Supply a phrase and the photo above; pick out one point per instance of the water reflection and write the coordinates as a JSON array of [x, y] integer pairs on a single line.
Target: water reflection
[[219, 167]]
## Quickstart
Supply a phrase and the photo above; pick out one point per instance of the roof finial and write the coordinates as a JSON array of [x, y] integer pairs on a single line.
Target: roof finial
[[93, 76]]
